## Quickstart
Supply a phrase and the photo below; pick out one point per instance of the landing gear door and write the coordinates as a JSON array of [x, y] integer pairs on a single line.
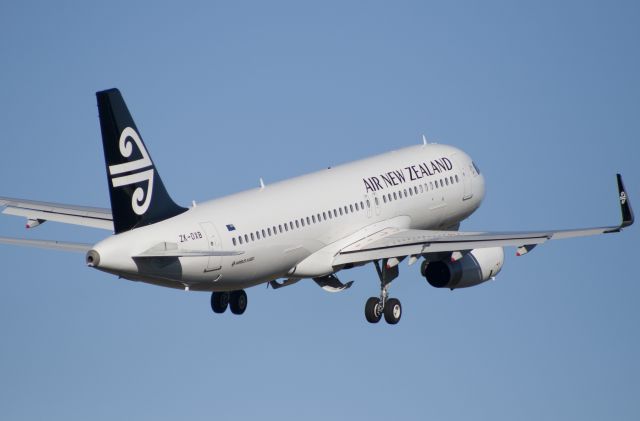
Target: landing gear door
[[215, 262]]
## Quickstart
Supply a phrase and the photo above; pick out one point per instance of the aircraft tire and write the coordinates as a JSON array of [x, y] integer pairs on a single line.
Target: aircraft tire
[[219, 301], [392, 311], [372, 310], [238, 302]]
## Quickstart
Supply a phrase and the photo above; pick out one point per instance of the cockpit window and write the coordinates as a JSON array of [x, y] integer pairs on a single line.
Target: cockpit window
[[476, 167]]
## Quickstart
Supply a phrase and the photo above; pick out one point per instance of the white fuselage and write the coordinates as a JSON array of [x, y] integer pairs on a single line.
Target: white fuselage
[[294, 228]]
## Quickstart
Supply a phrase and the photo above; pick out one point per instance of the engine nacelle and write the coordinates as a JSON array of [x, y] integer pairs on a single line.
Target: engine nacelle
[[475, 267]]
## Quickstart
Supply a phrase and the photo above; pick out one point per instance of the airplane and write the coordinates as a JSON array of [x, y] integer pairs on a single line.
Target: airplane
[[405, 204]]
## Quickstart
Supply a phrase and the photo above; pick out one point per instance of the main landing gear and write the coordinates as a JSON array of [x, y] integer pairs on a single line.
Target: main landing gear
[[237, 300], [376, 307]]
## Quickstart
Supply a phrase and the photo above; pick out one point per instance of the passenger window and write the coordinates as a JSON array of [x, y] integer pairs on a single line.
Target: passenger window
[[291, 225], [313, 218], [441, 183], [240, 239], [234, 240], [357, 207], [395, 197], [362, 205], [457, 178], [246, 238], [351, 207], [253, 238], [280, 228], [446, 181], [340, 209], [335, 213], [410, 191], [421, 189], [269, 231], [264, 234], [368, 204], [258, 235], [324, 216], [346, 210], [384, 199]]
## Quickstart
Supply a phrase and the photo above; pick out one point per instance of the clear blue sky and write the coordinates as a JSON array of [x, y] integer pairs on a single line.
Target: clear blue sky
[[544, 95]]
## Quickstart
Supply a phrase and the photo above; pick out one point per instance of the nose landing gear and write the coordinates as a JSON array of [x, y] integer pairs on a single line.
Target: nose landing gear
[[376, 307], [237, 300]]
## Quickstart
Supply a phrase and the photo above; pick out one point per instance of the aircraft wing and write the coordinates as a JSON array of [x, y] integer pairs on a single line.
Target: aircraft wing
[[37, 212], [399, 243]]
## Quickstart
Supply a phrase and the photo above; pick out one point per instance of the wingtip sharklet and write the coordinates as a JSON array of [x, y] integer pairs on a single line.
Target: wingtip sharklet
[[625, 204]]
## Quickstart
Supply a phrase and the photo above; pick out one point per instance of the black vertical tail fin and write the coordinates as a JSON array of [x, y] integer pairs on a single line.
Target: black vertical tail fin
[[138, 196]]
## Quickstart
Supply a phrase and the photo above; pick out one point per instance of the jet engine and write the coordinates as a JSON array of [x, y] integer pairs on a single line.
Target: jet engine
[[474, 268]]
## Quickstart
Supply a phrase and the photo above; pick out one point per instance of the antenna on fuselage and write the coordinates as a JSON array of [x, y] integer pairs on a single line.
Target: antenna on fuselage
[[424, 140], [261, 183]]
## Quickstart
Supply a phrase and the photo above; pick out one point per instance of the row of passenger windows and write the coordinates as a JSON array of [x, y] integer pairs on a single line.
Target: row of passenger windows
[[302, 222], [421, 188], [345, 210]]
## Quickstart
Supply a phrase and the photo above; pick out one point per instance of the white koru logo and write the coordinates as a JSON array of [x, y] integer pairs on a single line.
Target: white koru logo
[[140, 200], [623, 198]]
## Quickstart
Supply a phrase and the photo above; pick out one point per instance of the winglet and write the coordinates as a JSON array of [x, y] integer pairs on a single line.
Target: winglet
[[625, 205]]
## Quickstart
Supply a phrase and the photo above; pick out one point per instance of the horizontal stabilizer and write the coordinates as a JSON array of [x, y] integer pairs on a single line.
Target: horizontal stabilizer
[[47, 244], [39, 212]]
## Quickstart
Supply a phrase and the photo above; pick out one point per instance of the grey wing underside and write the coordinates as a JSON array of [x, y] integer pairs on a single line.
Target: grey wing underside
[[397, 243], [37, 212]]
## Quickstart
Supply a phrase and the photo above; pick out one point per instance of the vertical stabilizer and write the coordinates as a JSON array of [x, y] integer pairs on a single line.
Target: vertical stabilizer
[[138, 196]]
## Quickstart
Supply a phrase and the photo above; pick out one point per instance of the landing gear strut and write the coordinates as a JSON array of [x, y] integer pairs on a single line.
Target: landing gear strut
[[237, 300], [376, 307]]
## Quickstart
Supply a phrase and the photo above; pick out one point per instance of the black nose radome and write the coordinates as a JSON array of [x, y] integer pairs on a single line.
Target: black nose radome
[[93, 258]]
